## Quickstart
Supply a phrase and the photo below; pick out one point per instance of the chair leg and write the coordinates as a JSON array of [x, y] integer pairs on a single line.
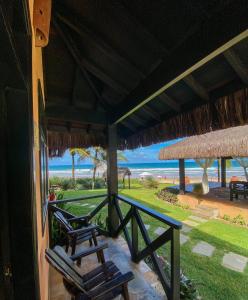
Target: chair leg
[[125, 293], [73, 247], [99, 256]]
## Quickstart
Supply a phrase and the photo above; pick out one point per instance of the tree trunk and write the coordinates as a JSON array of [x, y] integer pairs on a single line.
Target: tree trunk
[[73, 166], [94, 170], [246, 174], [205, 184]]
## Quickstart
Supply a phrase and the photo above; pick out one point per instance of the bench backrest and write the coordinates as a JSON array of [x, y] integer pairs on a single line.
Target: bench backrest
[[66, 271], [62, 220]]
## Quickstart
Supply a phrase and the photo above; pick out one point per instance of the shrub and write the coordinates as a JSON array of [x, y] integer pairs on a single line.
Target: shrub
[[67, 183], [55, 181], [239, 220], [150, 183], [168, 194], [86, 183], [197, 188]]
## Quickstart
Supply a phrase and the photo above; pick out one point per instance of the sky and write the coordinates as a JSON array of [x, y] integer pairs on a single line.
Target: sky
[[140, 155]]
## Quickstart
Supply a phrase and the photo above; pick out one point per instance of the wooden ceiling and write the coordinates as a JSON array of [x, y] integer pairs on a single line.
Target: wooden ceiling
[[139, 63]]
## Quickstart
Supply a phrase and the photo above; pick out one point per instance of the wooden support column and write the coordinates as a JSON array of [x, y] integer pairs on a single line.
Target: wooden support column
[[112, 179], [223, 172], [181, 176]]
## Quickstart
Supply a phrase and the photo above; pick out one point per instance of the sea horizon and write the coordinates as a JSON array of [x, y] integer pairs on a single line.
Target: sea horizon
[[157, 169]]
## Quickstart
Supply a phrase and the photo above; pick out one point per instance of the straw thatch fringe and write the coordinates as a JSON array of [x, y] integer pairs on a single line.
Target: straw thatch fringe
[[225, 112], [59, 142], [230, 142]]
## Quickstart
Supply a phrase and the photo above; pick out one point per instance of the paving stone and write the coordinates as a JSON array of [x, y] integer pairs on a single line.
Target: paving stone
[[147, 226], [186, 229], [204, 248], [160, 230], [198, 219], [183, 238], [234, 262], [84, 204], [92, 206], [190, 223]]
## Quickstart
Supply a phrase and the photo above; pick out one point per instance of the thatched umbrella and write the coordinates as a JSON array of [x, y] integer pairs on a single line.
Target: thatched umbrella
[[231, 142]]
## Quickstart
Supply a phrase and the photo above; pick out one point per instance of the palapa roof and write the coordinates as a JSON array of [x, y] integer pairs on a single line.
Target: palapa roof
[[231, 142], [157, 69]]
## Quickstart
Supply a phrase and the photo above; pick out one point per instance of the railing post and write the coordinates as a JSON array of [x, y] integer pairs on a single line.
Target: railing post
[[135, 236], [112, 179], [175, 265]]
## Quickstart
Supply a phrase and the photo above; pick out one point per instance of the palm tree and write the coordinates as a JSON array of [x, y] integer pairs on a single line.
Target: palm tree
[[82, 154], [243, 163], [99, 158]]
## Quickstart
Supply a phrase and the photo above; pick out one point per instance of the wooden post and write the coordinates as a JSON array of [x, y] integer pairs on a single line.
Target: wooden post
[[135, 237], [223, 172], [181, 176], [112, 179]]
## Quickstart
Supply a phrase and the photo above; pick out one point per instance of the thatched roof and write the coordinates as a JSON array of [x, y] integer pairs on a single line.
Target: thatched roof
[[231, 142]]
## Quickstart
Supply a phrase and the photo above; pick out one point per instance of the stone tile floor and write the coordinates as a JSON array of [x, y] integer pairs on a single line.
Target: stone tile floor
[[145, 286]]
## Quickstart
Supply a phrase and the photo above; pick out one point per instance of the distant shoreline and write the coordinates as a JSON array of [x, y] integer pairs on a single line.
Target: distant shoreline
[[162, 170]]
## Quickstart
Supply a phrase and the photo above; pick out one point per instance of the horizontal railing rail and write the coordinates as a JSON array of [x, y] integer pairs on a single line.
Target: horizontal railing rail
[[151, 212], [76, 199]]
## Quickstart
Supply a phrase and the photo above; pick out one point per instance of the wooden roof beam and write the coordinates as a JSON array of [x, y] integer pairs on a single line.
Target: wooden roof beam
[[196, 87], [73, 114], [84, 31], [152, 113], [167, 100], [237, 65], [84, 63], [191, 55]]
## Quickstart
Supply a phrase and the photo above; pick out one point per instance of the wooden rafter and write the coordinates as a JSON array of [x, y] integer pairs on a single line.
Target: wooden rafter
[[164, 98], [184, 60], [71, 46], [85, 64], [85, 32], [152, 113], [237, 64], [74, 114], [196, 87]]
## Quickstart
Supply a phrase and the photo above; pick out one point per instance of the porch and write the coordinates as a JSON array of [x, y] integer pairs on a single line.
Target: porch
[[129, 244]]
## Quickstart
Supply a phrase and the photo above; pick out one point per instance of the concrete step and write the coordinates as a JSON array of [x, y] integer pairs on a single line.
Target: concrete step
[[206, 211]]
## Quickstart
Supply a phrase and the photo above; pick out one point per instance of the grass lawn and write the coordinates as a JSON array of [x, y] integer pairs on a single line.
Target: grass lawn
[[213, 281]]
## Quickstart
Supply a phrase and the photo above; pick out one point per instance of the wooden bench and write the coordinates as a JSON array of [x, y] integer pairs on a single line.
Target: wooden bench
[[102, 283], [238, 188], [81, 233]]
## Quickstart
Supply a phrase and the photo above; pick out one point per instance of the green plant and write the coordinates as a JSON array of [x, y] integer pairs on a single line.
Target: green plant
[[197, 188], [239, 220], [168, 194], [150, 183], [86, 183], [100, 222], [55, 180], [67, 184], [227, 218]]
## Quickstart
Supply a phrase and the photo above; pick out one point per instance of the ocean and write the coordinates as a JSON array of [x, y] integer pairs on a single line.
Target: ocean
[[160, 169]]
